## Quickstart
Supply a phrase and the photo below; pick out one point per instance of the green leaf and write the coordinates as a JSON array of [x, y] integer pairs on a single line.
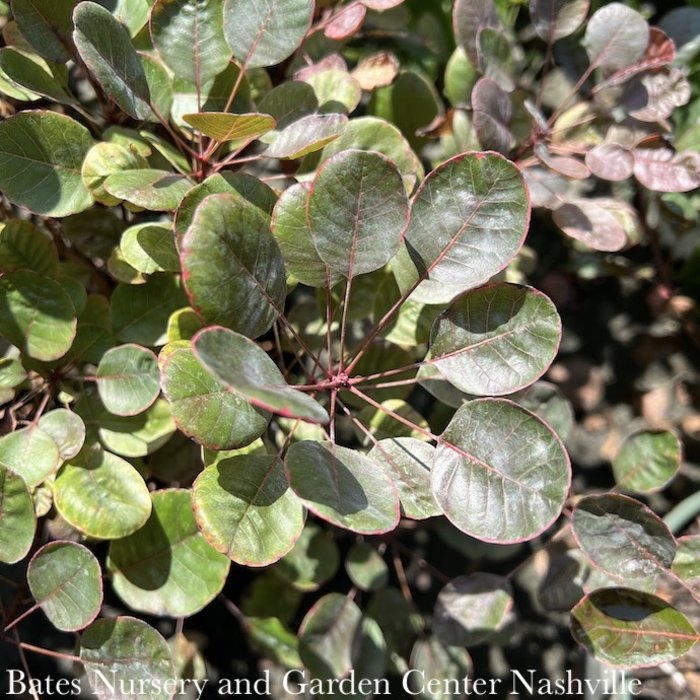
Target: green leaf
[[469, 18], [263, 34], [140, 313], [66, 581], [629, 629], [230, 127], [623, 537], [25, 247], [468, 220], [408, 461], [246, 510], [131, 13], [366, 567], [616, 36], [41, 154], [460, 78], [167, 567], [46, 25], [17, 519], [365, 232], [292, 232], [150, 248], [160, 88], [244, 367], [647, 461], [94, 336], [271, 638], [128, 379], [129, 436], [105, 46], [102, 495], [189, 37], [343, 487], [231, 239], [435, 660], [556, 19], [31, 453], [157, 190], [313, 561], [471, 608], [373, 134], [30, 72], [183, 324], [204, 408], [105, 159], [500, 474], [122, 651], [496, 339], [246, 186], [336, 91], [328, 634], [36, 315], [498, 58], [549, 403], [286, 103], [307, 135], [66, 429]]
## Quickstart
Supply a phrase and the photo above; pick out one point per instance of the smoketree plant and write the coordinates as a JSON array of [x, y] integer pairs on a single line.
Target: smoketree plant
[[266, 310]]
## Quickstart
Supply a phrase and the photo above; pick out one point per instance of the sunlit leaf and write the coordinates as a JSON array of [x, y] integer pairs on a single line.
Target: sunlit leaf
[[66, 429], [31, 453], [66, 581], [17, 519], [167, 567], [647, 461], [306, 135], [616, 36], [629, 629], [500, 474], [150, 248], [366, 567], [157, 190], [229, 127], [662, 171], [343, 487], [246, 509], [246, 368]]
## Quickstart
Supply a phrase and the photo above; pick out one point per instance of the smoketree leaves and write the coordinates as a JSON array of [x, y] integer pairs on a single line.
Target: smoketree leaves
[[167, 567], [357, 212], [343, 486], [647, 461], [245, 508], [555, 19], [17, 519], [105, 47], [629, 629], [499, 473], [496, 340], [262, 33], [41, 154], [616, 36], [66, 581], [231, 239], [468, 219]]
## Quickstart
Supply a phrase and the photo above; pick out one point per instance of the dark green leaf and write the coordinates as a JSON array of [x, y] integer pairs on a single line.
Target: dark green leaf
[[17, 519], [25, 247]]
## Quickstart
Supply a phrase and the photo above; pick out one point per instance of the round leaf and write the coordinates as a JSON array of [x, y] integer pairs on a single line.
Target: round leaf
[[629, 629], [343, 486], [245, 508], [647, 461], [312, 561], [31, 453], [204, 408], [623, 537], [357, 212], [496, 340], [328, 634], [433, 659], [123, 652], [471, 608], [157, 190], [103, 160], [263, 34], [366, 567], [555, 19], [230, 127], [500, 474], [189, 37], [128, 379], [244, 367], [616, 36], [102, 495], [36, 315], [307, 135], [66, 581], [105, 46], [686, 563], [407, 461], [66, 429], [230, 239], [468, 220], [167, 567], [17, 519], [150, 248], [41, 154]]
